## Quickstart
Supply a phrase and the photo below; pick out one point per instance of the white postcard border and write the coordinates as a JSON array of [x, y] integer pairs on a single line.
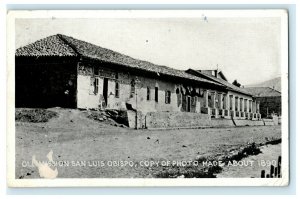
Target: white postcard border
[[138, 182]]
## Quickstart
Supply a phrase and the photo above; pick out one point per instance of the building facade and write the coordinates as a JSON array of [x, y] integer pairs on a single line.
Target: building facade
[[269, 100], [235, 102], [66, 72]]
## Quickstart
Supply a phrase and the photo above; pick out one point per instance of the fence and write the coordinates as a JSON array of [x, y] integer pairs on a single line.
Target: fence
[[275, 172]]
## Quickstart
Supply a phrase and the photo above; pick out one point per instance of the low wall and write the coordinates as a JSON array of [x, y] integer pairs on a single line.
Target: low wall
[[176, 120], [269, 122], [132, 118], [222, 123], [275, 120], [168, 120], [249, 122]]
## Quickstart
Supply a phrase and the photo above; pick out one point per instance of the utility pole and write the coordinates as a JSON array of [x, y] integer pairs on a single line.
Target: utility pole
[[136, 111], [136, 102]]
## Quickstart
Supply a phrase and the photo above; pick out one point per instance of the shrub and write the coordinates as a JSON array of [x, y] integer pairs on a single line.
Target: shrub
[[34, 115]]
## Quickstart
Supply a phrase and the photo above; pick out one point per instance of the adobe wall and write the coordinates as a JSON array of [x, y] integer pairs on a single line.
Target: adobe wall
[[138, 101], [176, 120], [86, 99]]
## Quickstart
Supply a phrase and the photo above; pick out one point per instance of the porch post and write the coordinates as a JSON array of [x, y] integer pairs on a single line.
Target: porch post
[[220, 101], [243, 105], [238, 104], [226, 101], [213, 96], [247, 105], [206, 98]]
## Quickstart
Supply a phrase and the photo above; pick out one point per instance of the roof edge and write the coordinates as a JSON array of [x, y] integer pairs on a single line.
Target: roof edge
[[212, 79]]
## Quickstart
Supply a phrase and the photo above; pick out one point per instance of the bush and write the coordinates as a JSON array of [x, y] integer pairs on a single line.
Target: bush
[[34, 115]]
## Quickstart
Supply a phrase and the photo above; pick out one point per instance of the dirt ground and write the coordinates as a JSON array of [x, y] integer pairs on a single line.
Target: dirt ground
[[251, 167], [85, 148]]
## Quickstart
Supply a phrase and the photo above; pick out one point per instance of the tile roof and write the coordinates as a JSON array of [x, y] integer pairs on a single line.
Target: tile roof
[[62, 45], [50, 46], [223, 82], [263, 92]]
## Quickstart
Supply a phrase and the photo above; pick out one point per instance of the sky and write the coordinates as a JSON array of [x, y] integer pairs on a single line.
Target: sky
[[246, 49]]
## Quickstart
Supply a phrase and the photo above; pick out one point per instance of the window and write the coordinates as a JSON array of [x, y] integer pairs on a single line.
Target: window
[[179, 97], [168, 97], [194, 100], [96, 71], [223, 102], [117, 93], [132, 88], [117, 86], [94, 85], [156, 94], [148, 93], [210, 100]]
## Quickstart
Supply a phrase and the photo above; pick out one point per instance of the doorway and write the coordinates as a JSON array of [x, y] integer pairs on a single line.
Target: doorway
[[105, 89], [189, 104]]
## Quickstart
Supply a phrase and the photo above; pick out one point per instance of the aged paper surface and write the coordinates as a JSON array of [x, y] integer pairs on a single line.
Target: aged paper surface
[[147, 98]]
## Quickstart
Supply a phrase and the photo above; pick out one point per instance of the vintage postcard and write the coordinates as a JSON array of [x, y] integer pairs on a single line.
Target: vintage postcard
[[147, 98]]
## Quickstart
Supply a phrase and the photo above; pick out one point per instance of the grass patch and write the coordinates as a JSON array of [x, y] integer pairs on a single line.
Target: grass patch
[[274, 141], [34, 115], [252, 149]]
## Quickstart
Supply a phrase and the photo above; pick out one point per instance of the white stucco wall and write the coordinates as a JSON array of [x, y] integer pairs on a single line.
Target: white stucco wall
[[85, 99]]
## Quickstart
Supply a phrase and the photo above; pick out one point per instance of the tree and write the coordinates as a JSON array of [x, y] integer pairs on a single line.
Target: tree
[[235, 82]]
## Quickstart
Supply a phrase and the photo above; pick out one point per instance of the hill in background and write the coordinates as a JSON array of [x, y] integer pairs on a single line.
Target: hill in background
[[272, 83]]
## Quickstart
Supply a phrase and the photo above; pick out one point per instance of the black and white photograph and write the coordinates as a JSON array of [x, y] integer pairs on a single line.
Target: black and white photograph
[[148, 98]]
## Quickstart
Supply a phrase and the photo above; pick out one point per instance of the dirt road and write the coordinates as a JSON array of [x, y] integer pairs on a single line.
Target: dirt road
[[84, 148]]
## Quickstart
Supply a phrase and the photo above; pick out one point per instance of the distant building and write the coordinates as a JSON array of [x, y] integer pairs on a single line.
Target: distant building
[[240, 103], [269, 99], [66, 72]]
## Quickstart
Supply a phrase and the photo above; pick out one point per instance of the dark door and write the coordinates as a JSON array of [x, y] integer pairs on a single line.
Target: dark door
[[105, 89], [156, 94], [189, 104]]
